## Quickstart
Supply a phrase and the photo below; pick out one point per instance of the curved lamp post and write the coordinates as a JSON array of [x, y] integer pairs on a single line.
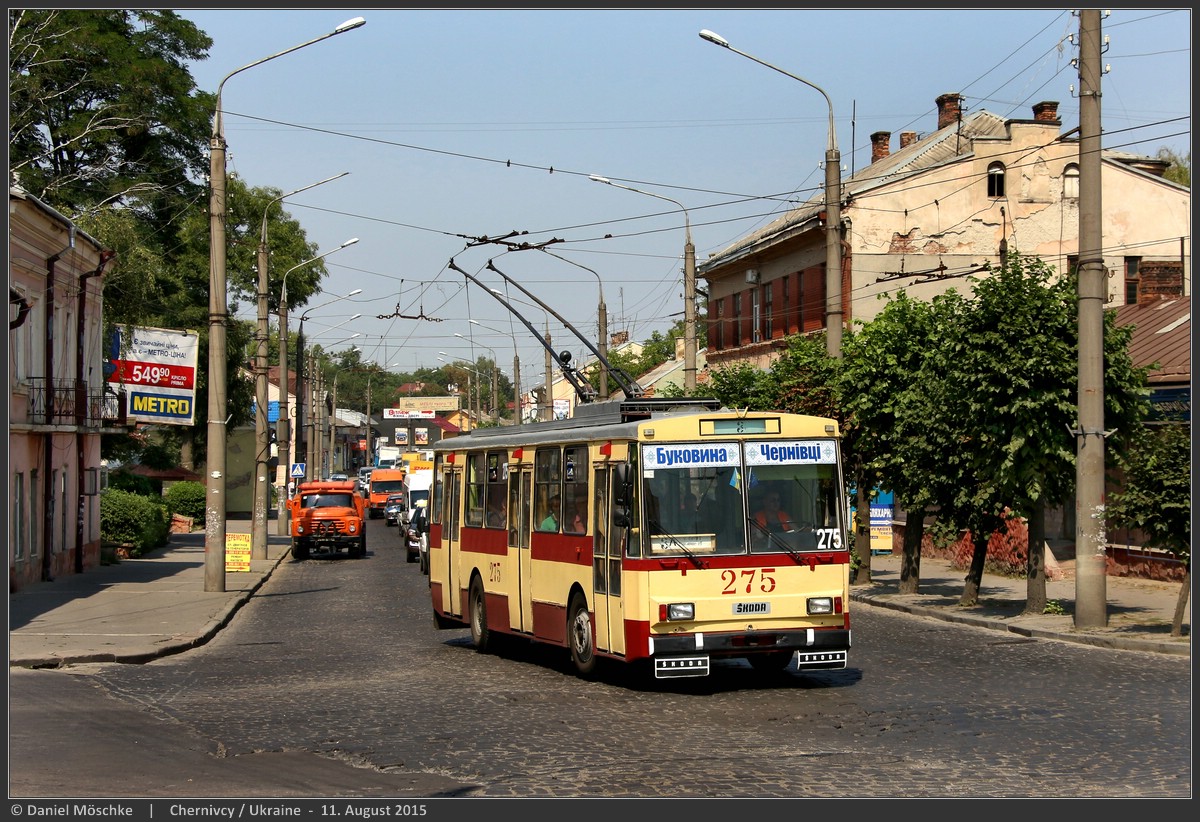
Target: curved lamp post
[[602, 312], [218, 314], [283, 435], [516, 372], [833, 209], [495, 405], [689, 285], [258, 532], [301, 440]]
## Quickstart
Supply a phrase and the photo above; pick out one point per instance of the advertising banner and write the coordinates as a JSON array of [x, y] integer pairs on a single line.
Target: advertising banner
[[157, 366]]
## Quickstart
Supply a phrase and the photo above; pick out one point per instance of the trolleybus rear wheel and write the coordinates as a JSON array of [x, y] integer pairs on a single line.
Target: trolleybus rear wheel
[[579, 635], [480, 635]]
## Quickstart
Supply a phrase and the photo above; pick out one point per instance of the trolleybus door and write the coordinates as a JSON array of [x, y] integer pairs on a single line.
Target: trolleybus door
[[451, 544], [521, 505], [606, 567]]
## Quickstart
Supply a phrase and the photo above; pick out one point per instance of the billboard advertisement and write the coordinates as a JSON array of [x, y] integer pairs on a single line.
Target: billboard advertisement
[[157, 367]]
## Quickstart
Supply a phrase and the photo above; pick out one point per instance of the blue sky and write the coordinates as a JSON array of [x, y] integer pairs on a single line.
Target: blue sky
[[469, 123]]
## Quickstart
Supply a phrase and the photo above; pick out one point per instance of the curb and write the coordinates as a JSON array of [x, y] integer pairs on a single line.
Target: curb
[[1182, 648], [166, 649]]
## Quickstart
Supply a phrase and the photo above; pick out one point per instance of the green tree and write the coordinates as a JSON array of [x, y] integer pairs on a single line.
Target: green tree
[[1156, 497], [102, 109], [1010, 361], [1179, 169], [889, 401]]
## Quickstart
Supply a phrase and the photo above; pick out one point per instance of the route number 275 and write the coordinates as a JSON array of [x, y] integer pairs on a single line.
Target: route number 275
[[755, 580]]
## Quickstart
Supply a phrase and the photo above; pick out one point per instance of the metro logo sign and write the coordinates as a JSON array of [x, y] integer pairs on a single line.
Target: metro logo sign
[[160, 366]]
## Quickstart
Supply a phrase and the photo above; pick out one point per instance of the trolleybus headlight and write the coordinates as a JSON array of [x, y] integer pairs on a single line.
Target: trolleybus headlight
[[820, 605], [677, 612]]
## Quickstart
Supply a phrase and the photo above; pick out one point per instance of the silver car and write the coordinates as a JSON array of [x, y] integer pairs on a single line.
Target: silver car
[[393, 508]]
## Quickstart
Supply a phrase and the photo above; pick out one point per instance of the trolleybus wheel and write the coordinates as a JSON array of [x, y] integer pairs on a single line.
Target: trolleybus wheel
[[480, 635], [579, 634]]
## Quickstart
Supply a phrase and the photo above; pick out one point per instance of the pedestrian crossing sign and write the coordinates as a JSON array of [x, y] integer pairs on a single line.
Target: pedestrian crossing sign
[[298, 470]]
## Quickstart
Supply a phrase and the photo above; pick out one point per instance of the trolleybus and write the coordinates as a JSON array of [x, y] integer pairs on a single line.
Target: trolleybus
[[669, 531]]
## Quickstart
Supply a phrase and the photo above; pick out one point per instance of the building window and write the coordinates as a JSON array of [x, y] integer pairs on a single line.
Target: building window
[[19, 519], [34, 517], [768, 309], [737, 320], [995, 180], [1131, 279], [756, 316], [1071, 182]]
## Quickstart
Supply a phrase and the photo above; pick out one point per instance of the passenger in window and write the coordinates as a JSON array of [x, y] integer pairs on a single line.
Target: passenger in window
[[579, 523], [550, 523], [497, 515]]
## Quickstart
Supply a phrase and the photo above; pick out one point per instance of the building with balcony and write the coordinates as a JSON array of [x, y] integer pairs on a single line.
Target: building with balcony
[[59, 403]]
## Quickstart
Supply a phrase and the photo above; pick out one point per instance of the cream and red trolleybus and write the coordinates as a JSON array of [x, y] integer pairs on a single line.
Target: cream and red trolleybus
[[669, 531]]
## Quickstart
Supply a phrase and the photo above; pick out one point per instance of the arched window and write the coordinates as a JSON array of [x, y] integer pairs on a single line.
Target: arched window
[[995, 180], [1071, 182]]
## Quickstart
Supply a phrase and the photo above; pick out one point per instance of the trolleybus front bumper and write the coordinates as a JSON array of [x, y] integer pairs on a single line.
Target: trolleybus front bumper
[[688, 654]]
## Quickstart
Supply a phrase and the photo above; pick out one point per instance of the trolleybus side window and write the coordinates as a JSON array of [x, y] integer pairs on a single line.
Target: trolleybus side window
[[575, 490], [476, 487], [497, 482], [547, 466]]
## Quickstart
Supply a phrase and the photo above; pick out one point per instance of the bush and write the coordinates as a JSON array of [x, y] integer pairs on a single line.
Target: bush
[[139, 521], [187, 499]]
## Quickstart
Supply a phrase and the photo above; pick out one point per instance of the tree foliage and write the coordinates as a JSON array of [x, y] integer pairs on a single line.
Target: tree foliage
[[103, 110], [1179, 169]]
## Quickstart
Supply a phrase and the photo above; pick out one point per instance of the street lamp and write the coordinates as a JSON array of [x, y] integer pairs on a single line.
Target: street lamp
[[258, 531], [301, 440], [333, 419], [689, 286], [602, 311], [833, 210], [458, 363], [281, 426], [516, 372], [218, 314], [494, 404]]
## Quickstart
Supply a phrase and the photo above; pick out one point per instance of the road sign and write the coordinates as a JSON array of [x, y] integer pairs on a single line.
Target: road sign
[[298, 470]]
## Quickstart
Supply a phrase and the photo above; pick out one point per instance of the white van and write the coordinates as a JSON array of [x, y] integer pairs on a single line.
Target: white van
[[417, 485]]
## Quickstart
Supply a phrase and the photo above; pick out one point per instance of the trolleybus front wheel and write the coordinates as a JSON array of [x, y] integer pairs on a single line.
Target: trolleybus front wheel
[[480, 635], [579, 635]]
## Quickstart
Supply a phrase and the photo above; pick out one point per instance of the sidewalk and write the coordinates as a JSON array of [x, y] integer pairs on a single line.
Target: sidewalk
[[136, 610], [1140, 611], [152, 606]]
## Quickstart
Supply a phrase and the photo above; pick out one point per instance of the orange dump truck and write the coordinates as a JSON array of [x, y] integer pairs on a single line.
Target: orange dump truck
[[328, 518]]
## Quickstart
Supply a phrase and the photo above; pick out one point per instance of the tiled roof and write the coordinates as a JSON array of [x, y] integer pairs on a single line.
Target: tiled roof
[[948, 144]]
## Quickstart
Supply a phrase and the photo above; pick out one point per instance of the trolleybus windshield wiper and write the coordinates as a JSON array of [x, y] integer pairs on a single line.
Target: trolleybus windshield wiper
[[774, 538], [659, 530]]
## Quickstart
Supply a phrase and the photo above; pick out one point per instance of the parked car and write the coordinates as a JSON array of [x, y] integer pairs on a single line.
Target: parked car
[[393, 508]]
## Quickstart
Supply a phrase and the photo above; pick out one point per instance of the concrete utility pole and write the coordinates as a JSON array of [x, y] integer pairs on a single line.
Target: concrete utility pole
[[1091, 542], [548, 400]]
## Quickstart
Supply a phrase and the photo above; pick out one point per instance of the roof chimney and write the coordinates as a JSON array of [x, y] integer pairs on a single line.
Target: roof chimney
[[949, 109], [880, 145], [907, 138], [1046, 111]]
